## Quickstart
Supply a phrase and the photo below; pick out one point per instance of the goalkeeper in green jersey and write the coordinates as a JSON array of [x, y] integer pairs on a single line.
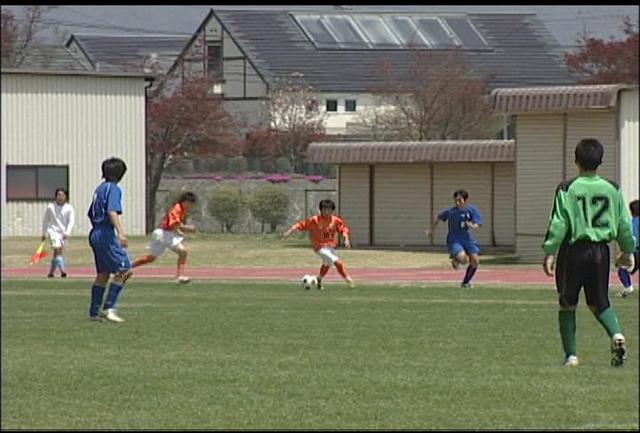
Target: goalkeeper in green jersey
[[588, 212]]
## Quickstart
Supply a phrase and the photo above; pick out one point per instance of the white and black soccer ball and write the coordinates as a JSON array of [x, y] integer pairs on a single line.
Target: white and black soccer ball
[[308, 282]]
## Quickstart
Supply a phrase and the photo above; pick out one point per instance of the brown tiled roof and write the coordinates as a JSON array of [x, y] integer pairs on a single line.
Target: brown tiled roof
[[412, 151], [556, 98]]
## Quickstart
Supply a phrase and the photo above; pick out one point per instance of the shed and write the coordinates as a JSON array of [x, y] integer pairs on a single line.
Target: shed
[[57, 128], [549, 123], [389, 192]]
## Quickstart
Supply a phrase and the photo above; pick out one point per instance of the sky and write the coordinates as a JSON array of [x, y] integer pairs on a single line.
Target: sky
[[565, 22]]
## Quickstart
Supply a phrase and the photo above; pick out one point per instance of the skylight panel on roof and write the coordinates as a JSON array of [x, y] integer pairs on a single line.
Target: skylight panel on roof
[[377, 31], [406, 31], [346, 32], [469, 36], [317, 31], [390, 31], [433, 29]]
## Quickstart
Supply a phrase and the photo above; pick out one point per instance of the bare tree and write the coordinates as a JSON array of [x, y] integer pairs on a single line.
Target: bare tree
[[437, 98], [18, 35], [295, 117]]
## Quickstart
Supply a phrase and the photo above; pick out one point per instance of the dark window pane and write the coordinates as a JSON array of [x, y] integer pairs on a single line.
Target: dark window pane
[[50, 178], [350, 105], [21, 183], [214, 60], [332, 105]]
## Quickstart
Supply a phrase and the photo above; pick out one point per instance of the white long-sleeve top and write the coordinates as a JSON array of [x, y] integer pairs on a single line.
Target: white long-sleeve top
[[58, 218]]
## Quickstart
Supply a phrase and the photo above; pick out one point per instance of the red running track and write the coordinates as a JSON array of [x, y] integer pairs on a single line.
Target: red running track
[[413, 275]]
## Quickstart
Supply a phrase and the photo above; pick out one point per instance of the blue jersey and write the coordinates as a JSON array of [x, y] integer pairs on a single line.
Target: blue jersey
[[106, 198], [456, 218], [634, 225]]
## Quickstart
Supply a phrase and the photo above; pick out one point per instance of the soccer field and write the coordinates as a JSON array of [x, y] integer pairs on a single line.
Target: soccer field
[[214, 355]]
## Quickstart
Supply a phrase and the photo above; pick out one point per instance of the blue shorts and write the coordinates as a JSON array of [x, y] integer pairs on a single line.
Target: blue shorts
[[455, 246], [109, 256]]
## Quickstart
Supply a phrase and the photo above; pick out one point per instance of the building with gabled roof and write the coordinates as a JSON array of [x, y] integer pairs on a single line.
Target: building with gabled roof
[[337, 52], [105, 52]]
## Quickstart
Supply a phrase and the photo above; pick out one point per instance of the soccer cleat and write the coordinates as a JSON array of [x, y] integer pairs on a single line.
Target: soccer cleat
[[319, 284], [466, 285], [63, 275], [618, 350], [350, 282], [111, 315], [626, 292], [50, 276], [571, 361], [455, 263], [183, 280]]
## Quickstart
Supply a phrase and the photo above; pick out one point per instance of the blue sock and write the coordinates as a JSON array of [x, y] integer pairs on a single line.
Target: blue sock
[[625, 278], [97, 293], [112, 295], [469, 274]]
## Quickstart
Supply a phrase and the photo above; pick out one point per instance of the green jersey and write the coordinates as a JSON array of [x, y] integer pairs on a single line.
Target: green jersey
[[588, 207]]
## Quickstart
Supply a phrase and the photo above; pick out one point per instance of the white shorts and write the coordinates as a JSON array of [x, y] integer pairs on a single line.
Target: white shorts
[[56, 239], [162, 239], [328, 255]]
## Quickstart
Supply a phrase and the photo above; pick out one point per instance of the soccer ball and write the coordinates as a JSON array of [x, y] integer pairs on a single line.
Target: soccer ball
[[309, 281]]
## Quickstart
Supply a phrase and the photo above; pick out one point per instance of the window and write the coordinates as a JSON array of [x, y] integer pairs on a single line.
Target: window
[[391, 31], [467, 33], [317, 31], [35, 182], [346, 32], [214, 60], [350, 105], [332, 105], [433, 29], [377, 31], [407, 31]]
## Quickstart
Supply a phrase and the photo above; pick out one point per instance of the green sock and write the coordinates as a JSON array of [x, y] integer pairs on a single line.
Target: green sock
[[567, 321], [609, 319]]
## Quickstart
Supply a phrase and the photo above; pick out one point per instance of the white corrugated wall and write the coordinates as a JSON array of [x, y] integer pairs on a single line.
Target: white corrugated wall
[[79, 121], [539, 160], [600, 125], [504, 200], [475, 178], [401, 204], [353, 204], [629, 146]]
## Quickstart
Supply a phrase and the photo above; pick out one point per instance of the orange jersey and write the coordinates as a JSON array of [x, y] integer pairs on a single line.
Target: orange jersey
[[173, 218], [322, 230]]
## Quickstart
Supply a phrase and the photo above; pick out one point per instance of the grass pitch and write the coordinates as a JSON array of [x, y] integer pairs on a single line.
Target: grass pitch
[[214, 355]]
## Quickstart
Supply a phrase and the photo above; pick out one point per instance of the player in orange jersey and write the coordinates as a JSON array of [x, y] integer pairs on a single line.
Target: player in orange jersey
[[169, 234], [322, 233]]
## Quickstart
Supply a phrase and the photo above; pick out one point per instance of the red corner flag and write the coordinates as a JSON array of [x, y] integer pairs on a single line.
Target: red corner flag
[[39, 254]]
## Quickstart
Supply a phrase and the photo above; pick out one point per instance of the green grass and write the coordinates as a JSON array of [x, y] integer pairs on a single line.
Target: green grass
[[214, 355], [242, 250]]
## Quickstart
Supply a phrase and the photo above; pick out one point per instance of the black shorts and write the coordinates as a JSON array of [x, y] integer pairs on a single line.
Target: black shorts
[[583, 264], [635, 266]]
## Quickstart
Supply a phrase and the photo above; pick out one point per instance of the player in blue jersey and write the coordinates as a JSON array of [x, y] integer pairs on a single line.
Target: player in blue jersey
[[623, 273], [108, 242], [461, 245]]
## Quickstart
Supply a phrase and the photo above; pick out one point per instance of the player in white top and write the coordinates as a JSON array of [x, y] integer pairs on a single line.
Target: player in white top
[[57, 223]]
